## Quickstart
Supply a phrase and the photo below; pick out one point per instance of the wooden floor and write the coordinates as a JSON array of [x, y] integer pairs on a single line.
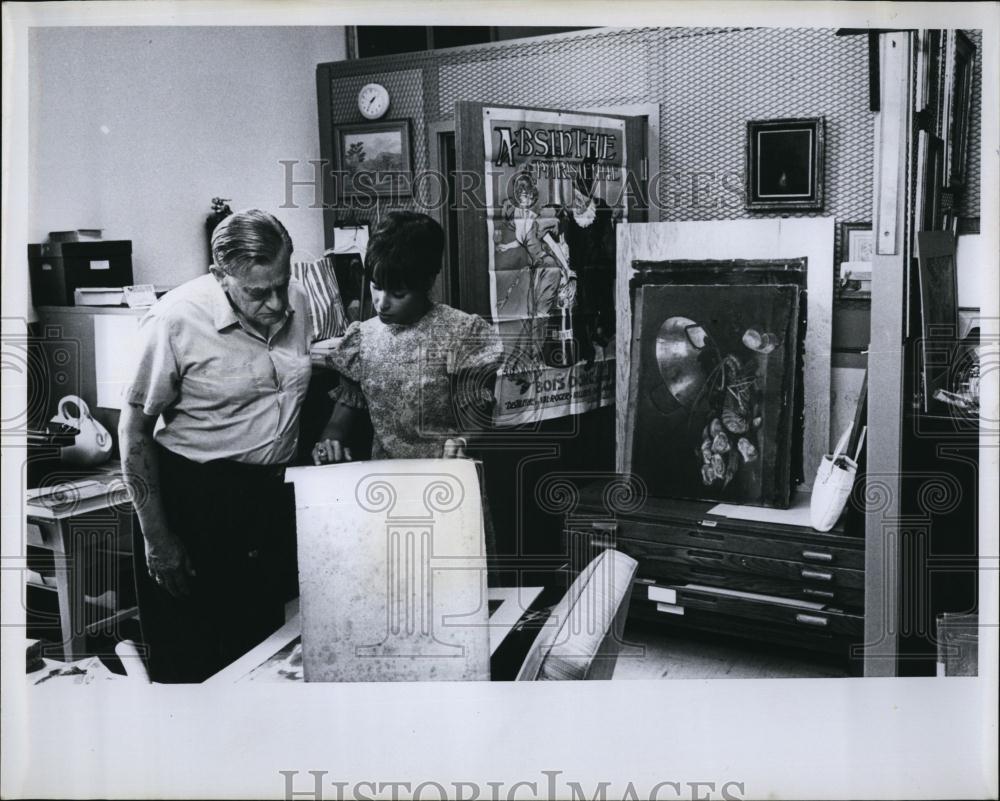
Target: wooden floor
[[654, 655]]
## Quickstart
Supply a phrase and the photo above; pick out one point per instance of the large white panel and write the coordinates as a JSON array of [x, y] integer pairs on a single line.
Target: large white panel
[[392, 571], [116, 353]]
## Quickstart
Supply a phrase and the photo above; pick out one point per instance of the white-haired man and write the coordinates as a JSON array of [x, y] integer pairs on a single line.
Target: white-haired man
[[211, 418]]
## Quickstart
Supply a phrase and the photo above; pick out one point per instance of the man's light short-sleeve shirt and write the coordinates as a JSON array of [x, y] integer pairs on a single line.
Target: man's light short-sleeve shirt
[[222, 390]]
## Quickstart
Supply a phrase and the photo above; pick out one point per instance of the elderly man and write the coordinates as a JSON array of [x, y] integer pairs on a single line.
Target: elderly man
[[211, 418]]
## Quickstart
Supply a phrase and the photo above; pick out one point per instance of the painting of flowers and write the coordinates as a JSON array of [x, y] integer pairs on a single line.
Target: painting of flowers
[[712, 400]]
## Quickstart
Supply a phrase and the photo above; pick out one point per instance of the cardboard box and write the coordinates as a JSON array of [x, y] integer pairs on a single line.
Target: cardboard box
[[82, 264]]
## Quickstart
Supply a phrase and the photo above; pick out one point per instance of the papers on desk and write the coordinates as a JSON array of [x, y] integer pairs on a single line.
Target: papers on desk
[[83, 671], [757, 596], [795, 515], [66, 492], [139, 296], [98, 295], [286, 665]]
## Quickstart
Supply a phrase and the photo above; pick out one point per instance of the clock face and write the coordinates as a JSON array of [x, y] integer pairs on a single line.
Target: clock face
[[373, 101]]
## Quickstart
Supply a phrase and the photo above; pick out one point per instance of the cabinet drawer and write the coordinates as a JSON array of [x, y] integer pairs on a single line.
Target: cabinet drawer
[[665, 571], [826, 619], [732, 626], [656, 559], [720, 539]]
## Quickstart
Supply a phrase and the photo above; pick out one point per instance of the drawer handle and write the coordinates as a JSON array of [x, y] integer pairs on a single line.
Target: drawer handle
[[610, 527], [817, 575], [707, 574], [817, 593], [707, 554], [811, 620], [818, 556], [705, 535]]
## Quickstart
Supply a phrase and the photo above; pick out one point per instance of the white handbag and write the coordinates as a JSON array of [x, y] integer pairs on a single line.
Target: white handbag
[[93, 444], [833, 485]]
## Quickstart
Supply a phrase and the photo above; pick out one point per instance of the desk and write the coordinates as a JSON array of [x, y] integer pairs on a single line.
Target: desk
[[65, 525], [508, 605]]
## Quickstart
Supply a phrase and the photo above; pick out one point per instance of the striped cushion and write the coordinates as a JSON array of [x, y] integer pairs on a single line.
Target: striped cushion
[[325, 305], [588, 643], [581, 638]]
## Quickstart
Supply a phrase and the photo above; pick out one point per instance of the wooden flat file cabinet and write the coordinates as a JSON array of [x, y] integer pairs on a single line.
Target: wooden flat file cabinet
[[789, 585]]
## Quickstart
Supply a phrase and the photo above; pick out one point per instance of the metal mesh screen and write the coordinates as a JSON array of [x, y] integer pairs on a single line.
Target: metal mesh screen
[[611, 69], [708, 83], [405, 87], [707, 95]]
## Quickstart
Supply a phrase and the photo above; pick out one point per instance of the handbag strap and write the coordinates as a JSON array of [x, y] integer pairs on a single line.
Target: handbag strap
[[842, 443], [860, 417]]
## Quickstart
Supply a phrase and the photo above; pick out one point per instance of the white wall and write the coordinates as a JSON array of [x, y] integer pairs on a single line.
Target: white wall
[[134, 130]]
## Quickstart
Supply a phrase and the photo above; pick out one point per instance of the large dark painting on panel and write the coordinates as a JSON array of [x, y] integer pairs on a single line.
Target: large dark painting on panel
[[713, 389]]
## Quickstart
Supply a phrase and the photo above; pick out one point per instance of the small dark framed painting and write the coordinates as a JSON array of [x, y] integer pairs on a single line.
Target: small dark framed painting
[[857, 241], [784, 169], [373, 158]]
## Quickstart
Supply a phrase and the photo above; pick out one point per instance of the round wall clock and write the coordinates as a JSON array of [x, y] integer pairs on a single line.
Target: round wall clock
[[373, 101]]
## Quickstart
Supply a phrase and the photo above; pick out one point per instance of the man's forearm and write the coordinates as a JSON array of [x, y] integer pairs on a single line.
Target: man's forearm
[[142, 474]]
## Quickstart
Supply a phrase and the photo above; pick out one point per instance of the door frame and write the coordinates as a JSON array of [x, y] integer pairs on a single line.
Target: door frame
[[651, 111], [443, 289]]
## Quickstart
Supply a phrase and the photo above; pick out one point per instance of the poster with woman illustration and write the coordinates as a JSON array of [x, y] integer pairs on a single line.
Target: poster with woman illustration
[[554, 194]]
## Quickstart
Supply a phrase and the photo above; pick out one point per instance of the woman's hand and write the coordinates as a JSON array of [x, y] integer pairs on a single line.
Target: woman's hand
[[330, 451], [455, 448]]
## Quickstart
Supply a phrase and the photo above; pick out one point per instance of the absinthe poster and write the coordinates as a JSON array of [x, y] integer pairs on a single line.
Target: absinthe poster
[[554, 194]]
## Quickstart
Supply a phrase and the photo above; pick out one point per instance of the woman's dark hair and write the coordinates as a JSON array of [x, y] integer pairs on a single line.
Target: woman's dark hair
[[404, 252]]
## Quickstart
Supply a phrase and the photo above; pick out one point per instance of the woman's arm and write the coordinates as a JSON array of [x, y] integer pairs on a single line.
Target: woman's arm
[[473, 393], [331, 447], [166, 558]]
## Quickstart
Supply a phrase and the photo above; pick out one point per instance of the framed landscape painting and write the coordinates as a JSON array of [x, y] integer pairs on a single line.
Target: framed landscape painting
[[374, 158]]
